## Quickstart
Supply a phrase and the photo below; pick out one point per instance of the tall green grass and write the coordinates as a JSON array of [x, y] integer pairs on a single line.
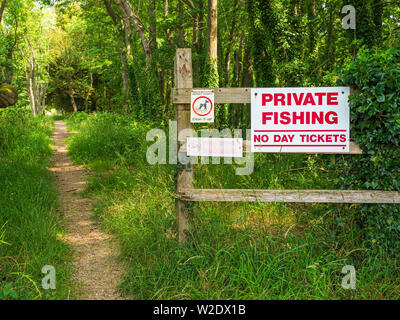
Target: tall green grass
[[30, 221], [234, 250]]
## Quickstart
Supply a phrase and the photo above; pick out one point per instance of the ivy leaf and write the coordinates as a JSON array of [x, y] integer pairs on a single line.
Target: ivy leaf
[[381, 98]]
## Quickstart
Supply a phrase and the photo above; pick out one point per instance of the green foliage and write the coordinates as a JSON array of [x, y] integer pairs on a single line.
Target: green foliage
[[375, 126], [8, 292], [234, 250], [366, 12], [263, 33], [30, 224], [107, 138]]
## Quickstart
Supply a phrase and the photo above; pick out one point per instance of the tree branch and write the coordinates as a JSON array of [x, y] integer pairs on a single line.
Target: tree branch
[[111, 12], [2, 7], [127, 10]]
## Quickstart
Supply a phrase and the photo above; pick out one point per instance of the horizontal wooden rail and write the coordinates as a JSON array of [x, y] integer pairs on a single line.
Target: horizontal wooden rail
[[321, 196], [354, 149], [221, 95], [237, 95]]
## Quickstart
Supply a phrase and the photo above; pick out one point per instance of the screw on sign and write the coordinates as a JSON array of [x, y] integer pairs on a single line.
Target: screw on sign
[[202, 106]]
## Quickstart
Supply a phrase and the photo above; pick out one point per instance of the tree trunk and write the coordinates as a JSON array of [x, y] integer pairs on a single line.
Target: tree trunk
[[153, 47], [196, 45], [181, 31], [237, 109], [2, 7], [230, 44], [212, 31], [125, 48], [30, 92], [168, 94], [153, 28], [88, 93], [168, 35], [44, 87], [247, 80], [202, 25], [73, 102], [212, 77], [125, 78], [219, 54], [195, 41], [238, 61], [32, 86], [111, 12], [128, 11]]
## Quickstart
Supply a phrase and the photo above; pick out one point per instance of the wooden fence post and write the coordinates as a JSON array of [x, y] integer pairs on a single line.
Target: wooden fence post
[[183, 79]]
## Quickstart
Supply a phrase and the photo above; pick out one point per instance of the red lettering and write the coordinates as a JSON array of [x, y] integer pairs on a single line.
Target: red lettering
[[279, 97], [333, 119], [266, 97], [264, 138], [289, 99], [296, 98], [309, 99], [332, 98], [319, 117], [276, 115], [320, 95], [298, 117], [285, 117], [266, 116]]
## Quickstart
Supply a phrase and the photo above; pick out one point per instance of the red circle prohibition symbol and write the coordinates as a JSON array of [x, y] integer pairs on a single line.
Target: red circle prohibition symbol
[[202, 115]]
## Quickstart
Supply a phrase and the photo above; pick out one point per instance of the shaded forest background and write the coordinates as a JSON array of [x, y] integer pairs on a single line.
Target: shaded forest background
[[118, 55]]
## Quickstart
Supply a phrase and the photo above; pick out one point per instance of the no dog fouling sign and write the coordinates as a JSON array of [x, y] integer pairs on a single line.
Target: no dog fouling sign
[[202, 106]]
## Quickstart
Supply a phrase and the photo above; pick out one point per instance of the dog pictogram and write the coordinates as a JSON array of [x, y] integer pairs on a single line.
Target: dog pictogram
[[203, 106]]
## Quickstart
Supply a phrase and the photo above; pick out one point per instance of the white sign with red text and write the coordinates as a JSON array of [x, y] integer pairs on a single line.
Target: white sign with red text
[[300, 119]]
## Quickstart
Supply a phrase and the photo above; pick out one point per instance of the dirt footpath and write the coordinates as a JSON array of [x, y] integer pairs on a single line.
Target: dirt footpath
[[95, 255]]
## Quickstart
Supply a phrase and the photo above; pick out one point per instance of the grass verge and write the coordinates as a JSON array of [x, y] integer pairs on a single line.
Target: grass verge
[[30, 221]]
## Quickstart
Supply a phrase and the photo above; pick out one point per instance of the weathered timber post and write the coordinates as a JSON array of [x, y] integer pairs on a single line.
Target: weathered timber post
[[183, 79]]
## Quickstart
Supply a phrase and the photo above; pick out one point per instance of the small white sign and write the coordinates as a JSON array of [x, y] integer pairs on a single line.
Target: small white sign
[[215, 147], [202, 106], [300, 119]]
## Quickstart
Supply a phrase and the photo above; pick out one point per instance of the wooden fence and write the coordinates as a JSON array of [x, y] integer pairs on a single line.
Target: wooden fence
[[184, 186]]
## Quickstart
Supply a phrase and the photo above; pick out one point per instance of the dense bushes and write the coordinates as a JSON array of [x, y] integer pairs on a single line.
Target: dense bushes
[[375, 126], [29, 219]]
